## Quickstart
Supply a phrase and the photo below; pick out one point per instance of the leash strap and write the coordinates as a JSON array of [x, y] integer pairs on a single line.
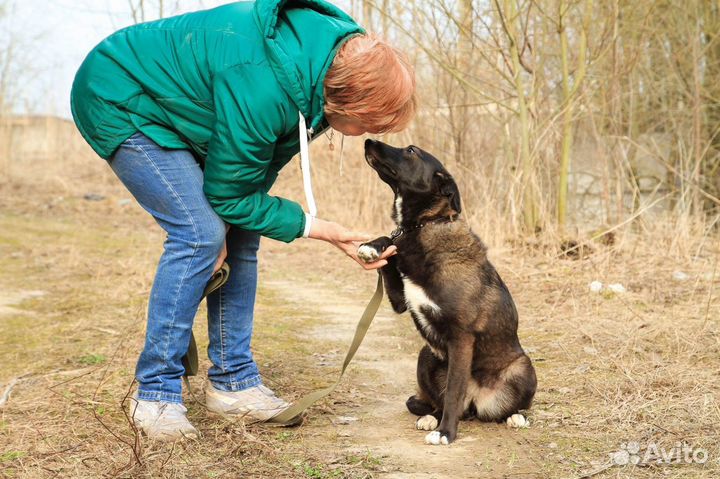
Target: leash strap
[[290, 415], [190, 360]]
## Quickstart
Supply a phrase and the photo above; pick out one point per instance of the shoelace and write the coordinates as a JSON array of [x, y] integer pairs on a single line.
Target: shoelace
[[271, 395], [173, 411], [260, 398]]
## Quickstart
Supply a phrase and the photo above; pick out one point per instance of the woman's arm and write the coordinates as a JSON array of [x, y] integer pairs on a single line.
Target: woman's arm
[[251, 113]]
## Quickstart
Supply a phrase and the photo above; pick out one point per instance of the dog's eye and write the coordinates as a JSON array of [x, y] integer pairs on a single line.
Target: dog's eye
[[412, 150]]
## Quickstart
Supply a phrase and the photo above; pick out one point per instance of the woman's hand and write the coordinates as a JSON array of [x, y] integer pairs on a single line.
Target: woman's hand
[[223, 253], [221, 257], [347, 241]]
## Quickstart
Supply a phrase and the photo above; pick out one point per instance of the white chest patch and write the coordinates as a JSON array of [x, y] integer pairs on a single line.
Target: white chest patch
[[398, 210], [416, 298]]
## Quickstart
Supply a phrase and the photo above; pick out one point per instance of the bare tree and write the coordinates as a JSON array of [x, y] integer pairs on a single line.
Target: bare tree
[[570, 92], [143, 10]]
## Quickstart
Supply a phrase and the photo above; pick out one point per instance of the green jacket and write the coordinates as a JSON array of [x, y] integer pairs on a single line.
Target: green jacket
[[226, 83]]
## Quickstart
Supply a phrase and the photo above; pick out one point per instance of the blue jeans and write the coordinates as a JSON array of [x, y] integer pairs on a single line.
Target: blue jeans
[[168, 184]]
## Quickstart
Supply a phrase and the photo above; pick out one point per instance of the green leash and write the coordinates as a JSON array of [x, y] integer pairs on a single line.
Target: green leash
[[291, 415], [190, 360]]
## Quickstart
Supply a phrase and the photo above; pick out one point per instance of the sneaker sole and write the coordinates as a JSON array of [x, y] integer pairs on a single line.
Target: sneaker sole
[[296, 421]]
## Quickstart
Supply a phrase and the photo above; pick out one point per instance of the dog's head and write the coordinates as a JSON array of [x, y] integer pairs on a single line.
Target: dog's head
[[424, 190]]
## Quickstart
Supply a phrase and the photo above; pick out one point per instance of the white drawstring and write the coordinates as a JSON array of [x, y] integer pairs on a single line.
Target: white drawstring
[[305, 165], [307, 179]]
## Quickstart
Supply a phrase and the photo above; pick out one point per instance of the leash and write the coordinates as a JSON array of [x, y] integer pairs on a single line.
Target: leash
[[291, 415], [190, 360]]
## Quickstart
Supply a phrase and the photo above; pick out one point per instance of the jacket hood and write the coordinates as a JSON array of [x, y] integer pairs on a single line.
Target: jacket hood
[[301, 40]]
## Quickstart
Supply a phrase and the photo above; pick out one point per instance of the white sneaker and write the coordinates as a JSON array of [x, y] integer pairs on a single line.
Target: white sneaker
[[255, 404], [160, 420]]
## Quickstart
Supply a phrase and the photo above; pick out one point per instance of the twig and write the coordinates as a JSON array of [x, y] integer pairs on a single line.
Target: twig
[[595, 472], [137, 451], [62, 451], [109, 331], [169, 456], [710, 291], [84, 371]]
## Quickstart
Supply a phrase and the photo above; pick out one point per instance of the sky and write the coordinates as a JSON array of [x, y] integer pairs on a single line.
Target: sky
[[52, 37]]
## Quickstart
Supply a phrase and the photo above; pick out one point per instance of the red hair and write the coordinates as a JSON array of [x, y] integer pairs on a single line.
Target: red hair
[[371, 82]]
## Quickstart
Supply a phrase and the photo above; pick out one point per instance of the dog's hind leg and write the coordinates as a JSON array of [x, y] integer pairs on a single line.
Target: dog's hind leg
[[512, 391], [419, 407], [431, 378], [429, 415], [427, 403]]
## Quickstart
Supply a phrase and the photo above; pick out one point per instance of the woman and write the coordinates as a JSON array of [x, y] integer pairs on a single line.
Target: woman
[[196, 115]]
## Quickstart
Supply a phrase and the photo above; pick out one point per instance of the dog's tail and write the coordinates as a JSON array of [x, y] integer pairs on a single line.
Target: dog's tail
[[419, 407]]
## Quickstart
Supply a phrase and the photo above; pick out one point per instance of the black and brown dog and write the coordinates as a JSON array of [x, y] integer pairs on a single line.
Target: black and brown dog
[[472, 365]]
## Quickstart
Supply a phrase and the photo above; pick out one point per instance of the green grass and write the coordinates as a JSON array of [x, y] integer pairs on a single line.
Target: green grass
[[92, 359], [10, 456], [318, 471]]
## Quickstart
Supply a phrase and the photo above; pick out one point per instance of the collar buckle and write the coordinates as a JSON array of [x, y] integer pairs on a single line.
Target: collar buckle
[[398, 232]]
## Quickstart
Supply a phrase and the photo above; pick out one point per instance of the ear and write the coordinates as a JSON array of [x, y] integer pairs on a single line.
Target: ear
[[448, 188]]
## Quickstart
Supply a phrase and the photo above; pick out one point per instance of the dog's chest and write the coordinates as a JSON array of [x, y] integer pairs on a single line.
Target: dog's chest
[[423, 309]]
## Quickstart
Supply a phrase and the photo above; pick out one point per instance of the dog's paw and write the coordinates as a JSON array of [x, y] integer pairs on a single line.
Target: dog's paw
[[426, 423], [436, 438], [518, 421], [367, 253]]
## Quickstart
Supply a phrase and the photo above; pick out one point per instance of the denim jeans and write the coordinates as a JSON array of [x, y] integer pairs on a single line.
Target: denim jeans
[[168, 184]]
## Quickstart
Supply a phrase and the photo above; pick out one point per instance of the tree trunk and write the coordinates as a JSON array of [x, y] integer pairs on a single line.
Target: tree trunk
[[367, 14], [568, 103], [530, 207]]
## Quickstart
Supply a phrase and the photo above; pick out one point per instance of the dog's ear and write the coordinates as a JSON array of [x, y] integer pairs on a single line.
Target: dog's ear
[[448, 188]]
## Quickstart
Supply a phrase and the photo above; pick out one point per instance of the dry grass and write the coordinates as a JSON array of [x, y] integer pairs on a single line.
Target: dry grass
[[640, 366]]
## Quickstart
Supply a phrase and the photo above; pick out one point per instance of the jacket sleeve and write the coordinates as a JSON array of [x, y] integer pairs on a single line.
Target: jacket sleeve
[[251, 114]]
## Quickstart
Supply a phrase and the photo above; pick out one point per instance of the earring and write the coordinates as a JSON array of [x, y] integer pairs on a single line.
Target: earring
[[331, 147]]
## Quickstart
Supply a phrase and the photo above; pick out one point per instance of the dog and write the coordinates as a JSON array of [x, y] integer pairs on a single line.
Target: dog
[[473, 364]]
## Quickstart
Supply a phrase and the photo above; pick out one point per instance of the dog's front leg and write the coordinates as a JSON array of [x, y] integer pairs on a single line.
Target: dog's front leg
[[394, 285], [370, 252], [460, 353]]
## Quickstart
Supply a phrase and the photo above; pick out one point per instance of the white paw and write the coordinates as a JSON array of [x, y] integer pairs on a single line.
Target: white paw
[[426, 423], [518, 421], [367, 253], [434, 438]]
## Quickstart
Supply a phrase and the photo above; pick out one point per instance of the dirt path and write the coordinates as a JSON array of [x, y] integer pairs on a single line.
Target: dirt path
[[10, 299], [386, 376]]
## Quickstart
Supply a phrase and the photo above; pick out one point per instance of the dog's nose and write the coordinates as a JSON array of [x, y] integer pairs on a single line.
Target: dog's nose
[[369, 143]]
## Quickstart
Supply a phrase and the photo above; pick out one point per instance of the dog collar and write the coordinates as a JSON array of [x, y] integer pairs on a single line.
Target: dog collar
[[399, 231]]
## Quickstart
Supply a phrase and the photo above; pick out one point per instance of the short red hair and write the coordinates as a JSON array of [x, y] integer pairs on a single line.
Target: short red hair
[[372, 82]]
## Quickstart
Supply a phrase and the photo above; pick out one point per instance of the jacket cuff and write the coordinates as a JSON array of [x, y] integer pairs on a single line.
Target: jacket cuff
[[308, 225]]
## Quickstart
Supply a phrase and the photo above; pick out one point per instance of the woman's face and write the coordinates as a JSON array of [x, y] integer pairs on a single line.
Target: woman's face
[[346, 125]]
